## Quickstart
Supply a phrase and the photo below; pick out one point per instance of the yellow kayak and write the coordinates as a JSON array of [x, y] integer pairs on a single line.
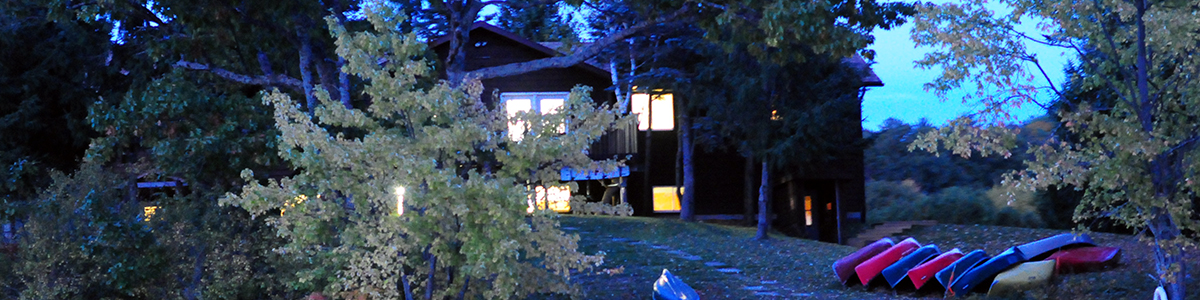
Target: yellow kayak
[[1022, 277]]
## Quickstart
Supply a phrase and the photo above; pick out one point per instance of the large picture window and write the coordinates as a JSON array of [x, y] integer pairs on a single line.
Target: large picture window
[[544, 102], [661, 114]]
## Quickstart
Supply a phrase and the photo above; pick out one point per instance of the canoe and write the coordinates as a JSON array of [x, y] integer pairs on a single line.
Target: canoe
[[896, 273], [844, 268], [922, 273], [1042, 248], [1086, 259], [956, 269], [1022, 277], [669, 287], [983, 272], [871, 268]]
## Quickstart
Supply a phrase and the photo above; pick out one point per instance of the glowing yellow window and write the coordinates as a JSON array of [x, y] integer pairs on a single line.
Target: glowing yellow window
[[665, 199], [519, 102], [808, 216], [148, 212], [663, 111], [556, 198]]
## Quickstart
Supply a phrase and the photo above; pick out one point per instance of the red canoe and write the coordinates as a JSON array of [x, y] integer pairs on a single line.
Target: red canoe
[[1079, 260], [924, 272], [844, 268], [871, 268]]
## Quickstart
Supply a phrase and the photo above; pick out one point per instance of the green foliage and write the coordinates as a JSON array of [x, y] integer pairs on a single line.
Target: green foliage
[[423, 189], [891, 201], [904, 201], [1134, 160], [85, 239], [889, 158], [50, 72], [600, 208], [535, 20]]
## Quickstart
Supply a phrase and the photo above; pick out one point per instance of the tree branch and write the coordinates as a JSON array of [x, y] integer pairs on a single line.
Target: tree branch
[[279, 80], [579, 56]]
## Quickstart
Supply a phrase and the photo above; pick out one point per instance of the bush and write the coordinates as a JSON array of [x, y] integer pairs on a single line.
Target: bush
[[959, 205], [904, 201], [892, 200]]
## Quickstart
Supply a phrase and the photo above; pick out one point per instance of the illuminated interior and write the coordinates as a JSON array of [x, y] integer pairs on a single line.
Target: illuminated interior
[[808, 216], [519, 102], [556, 198], [663, 112], [148, 211], [665, 199]]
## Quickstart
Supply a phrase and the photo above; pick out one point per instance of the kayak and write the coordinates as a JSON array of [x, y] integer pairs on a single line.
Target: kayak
[[956, 269], [922, 273], [1022, 277], [985, 271], [1039, 249], [844, 268], [896, 273], [669, 287], [1086, 259], [867, 270]]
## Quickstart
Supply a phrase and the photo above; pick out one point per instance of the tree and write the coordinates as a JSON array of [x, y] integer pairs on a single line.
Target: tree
[[535, 21], [50, 73], [423, 191], [1135, 158]]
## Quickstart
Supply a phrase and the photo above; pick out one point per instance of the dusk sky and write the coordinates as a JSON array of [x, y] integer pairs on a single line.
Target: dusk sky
[[902, 96]]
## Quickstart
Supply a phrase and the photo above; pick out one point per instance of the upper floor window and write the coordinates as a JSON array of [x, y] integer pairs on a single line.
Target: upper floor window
[[543, 102], [661, 113]]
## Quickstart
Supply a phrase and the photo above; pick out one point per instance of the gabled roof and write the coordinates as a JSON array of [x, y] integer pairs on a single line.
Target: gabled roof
[[524, 42], [869, 78]]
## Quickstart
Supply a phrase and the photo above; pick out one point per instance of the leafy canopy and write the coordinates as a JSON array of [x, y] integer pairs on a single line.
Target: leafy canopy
[[423, 190]]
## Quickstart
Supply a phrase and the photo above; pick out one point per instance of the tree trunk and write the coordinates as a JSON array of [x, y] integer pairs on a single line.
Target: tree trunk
[[1168, 252], [764, 199], [748, 191], [687, 199], [305, 73]]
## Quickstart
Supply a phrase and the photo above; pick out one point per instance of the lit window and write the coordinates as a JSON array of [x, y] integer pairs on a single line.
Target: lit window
[[518, 102], [665, 199], [808, 216], [663, 111], [148, 211], [556, 198]]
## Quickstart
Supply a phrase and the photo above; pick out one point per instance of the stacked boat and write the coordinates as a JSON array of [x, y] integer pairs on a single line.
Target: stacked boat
[[909, 265]]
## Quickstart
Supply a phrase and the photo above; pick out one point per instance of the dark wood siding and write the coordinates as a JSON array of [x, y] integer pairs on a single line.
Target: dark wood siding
[[488, 49]]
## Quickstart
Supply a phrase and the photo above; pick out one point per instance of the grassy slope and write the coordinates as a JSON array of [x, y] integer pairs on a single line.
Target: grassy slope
[[802, 267]]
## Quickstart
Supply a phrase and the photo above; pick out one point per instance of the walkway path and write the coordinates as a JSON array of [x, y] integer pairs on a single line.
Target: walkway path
[[764, 287]]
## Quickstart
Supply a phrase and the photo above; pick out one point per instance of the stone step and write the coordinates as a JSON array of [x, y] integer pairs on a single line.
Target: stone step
[[885, 230]]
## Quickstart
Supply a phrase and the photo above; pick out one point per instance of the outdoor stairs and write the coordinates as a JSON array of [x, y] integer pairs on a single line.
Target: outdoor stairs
[[885, 230]]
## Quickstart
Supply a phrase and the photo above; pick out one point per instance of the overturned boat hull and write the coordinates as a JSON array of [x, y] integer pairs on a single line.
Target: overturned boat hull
[[1022, 277], [922, 273], [870, 268], [896, 273], [1086, 259], [844, 268]]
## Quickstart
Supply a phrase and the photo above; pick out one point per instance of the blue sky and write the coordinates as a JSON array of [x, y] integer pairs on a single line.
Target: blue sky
[[902, 96]]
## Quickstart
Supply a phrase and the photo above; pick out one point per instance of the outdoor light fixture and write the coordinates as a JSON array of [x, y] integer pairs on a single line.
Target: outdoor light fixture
[[400, 200]]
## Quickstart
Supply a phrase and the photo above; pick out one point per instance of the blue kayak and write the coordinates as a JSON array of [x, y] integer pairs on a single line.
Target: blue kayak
[[955, 270], [985, 271], [896, 273], [1042, 248], [669, 287]]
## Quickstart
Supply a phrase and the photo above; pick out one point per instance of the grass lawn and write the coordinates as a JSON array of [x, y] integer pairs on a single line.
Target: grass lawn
[[638, 249]]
